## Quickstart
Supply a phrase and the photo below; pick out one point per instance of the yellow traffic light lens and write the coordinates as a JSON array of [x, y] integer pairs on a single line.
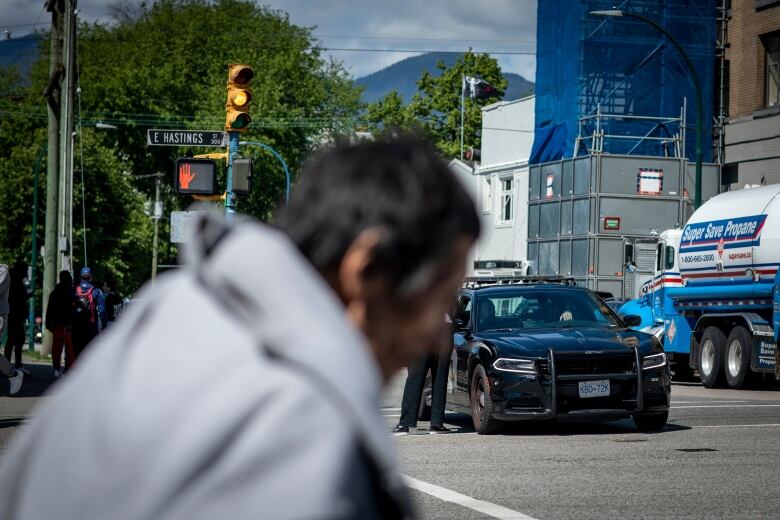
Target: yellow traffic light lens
[[240, 98]]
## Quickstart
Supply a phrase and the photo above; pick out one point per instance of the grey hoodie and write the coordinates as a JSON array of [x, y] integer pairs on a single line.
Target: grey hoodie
[[5, 284], [235, 388]]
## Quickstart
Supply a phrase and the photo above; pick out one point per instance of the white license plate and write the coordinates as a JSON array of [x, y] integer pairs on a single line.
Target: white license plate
[[598, 388]]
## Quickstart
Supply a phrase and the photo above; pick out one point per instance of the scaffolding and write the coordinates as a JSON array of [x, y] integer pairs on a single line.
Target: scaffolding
[[672, 144], [589, 66]]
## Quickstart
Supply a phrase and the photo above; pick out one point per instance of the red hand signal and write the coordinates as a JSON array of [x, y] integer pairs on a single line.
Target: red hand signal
[[185, 176]]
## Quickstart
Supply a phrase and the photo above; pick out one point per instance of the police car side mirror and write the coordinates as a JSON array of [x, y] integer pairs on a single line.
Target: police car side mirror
[[632, 320]]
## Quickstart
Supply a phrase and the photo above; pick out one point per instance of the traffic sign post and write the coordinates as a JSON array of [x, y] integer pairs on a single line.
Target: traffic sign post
[[230, 196], [186, 138]]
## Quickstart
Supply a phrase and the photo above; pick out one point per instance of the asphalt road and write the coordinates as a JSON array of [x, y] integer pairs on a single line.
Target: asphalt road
[[717, 458]]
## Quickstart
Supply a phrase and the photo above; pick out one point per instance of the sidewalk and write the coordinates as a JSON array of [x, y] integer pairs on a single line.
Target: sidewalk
[[14, 409]]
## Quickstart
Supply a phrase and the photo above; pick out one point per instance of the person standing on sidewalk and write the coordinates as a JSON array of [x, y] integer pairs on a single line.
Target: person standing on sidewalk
[[90, 315], [114, 301], [59, 319], [311, 319], [18, 296], [15, 377]]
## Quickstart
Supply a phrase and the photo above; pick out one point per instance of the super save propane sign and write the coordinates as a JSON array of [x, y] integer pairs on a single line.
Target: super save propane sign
[[730, 230]]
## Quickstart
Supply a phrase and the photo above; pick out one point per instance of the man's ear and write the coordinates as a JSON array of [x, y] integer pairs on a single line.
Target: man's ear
[[353, 283]]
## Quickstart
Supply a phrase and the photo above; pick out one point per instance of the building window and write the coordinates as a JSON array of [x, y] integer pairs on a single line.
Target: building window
[[772, 70], [487, 196], [507, 189]]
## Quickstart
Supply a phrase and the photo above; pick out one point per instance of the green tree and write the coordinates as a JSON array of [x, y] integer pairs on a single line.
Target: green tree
[[435, 108], [390, 115], [164, 65]]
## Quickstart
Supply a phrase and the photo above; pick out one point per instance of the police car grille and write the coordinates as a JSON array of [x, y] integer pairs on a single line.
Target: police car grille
[[580, 363]]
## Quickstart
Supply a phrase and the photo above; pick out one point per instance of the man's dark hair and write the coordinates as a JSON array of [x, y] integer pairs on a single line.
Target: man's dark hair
[[66, 277], [401, 187]]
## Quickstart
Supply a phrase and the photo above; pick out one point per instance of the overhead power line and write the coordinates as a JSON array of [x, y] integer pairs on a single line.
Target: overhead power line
[[5, 25], [318, 36], [420, 51]]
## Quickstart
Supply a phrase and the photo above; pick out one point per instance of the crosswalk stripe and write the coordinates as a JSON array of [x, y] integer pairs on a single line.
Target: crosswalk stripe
[[448, 495]]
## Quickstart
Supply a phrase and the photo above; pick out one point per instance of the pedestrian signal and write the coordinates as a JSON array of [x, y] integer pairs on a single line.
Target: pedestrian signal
[[196, 176], [239, 96], [242, 175]]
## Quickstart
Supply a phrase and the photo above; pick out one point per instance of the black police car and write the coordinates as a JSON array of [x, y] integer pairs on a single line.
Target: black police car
[[535, 349]]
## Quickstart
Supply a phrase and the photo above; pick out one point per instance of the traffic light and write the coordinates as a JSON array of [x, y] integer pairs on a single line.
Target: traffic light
[[196, 176], [238, 97], [242, 175]]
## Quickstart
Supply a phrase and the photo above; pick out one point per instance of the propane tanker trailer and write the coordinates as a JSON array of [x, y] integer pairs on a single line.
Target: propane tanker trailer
[[714, 297]]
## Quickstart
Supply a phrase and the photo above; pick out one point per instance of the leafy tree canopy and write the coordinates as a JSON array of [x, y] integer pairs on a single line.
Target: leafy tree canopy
[[435, 109], [164, 65]]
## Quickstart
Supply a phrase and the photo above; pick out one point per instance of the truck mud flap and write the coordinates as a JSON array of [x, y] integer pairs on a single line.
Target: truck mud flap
[[764, 354]]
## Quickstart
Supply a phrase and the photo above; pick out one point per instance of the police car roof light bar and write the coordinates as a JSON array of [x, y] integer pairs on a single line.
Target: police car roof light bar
[[470, 282]]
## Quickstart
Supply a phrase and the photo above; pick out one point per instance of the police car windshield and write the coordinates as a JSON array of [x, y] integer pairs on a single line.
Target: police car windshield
[[540, 309]]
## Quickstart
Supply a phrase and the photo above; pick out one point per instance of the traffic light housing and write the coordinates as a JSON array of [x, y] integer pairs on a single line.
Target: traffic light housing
[[195, 176], [242, 175], [239, 96]]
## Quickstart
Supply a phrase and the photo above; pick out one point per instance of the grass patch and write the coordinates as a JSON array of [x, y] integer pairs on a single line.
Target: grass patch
[[35, 356]]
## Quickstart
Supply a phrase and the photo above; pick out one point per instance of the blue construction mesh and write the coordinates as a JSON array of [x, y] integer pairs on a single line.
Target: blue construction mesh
[[626, 67]]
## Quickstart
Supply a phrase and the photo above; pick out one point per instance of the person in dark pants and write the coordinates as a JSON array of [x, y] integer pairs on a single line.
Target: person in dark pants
[[18, 295], [90, 315], [114, 301], [413, 389], [59, 320]]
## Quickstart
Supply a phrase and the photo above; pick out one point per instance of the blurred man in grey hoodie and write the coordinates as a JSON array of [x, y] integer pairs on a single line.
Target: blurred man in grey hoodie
[[275, 347], [14, 376]]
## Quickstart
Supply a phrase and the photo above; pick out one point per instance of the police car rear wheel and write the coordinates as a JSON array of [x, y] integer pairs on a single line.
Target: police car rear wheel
[[713, 344], [738, 354]]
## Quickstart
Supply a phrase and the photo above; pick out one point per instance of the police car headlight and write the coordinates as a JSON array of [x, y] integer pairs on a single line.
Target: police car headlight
[[518, 366], [654, 361]]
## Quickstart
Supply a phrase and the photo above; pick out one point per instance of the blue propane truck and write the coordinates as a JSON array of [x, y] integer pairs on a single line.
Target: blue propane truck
[[714, 298]]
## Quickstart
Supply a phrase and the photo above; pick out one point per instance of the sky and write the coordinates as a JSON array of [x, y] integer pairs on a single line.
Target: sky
[[378, 28]]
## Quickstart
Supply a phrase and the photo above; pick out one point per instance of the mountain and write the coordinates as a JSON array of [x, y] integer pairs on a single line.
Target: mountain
[[20, 52], [403, 75]]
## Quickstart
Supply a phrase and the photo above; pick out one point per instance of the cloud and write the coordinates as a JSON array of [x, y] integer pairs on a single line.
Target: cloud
[[431, 25]]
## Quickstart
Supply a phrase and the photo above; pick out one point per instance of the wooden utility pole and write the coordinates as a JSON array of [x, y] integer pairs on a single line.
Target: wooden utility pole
[[53, 95], [65, 227]]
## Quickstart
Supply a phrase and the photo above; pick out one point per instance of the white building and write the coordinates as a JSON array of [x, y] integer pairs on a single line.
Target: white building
[[499, 184]]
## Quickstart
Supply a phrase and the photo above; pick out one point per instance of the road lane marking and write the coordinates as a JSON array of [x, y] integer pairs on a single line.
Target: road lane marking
[[727, 406], [391, 415], [706, 402], [768, 425], [448, 495], [391, 409]]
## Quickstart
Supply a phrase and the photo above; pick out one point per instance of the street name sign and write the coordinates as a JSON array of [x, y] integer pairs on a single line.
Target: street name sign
[[186, 138]]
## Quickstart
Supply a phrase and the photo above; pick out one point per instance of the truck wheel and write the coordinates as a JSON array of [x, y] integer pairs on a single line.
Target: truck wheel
[[739, 349], [482, 404], [713, 343], [651, 422]]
